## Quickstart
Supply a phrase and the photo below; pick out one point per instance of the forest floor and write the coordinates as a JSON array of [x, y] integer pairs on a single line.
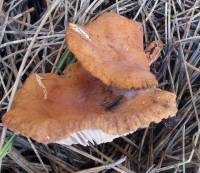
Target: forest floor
[[32, 39]]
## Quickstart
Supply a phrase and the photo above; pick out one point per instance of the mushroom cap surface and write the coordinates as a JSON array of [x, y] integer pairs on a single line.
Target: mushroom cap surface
[[111, 49], [51, 108]]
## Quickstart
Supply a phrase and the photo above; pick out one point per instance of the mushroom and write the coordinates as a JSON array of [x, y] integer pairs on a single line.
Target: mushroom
[[111, 49], [77, 108]]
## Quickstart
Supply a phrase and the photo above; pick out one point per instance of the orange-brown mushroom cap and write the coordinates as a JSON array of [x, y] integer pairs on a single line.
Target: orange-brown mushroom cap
[[111, 49], [52, 108]]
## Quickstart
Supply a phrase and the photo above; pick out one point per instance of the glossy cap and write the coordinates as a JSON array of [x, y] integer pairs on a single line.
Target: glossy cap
[[78, 108]]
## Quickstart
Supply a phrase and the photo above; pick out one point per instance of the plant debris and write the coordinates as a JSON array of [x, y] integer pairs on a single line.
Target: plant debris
[[35, 44]]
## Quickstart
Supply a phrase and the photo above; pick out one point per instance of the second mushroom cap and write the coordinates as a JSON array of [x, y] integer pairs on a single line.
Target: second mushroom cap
[[111, 49]]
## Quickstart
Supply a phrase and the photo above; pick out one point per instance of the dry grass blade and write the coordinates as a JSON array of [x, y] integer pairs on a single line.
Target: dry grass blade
[[107, 167], [37, 154]]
